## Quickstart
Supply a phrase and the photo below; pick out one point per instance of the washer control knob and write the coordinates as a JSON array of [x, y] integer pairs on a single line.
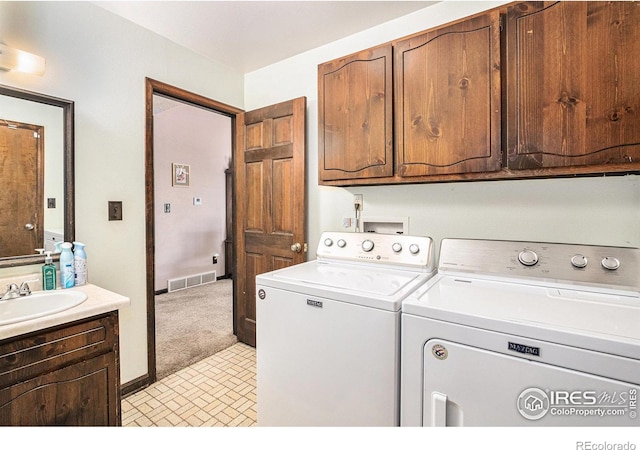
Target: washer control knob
[[396, 247], [414, 249], [528, 257], [579, 261], [328, 242], [610, 263], [342, 243], [367, 245]]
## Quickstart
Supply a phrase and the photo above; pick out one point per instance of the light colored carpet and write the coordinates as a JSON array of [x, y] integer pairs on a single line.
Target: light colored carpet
[[192, 324]]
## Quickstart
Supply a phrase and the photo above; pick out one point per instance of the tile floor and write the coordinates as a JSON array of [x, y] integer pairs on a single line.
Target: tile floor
[[219, 391]]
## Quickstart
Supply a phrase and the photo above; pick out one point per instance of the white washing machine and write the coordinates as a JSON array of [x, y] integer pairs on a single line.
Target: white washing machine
[[328, 331], [524, 334]]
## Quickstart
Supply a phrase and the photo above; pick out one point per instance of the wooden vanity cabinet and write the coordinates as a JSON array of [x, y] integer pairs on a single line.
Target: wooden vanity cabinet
[[355, 104], [447, 99], [65, 375], [573, 87]]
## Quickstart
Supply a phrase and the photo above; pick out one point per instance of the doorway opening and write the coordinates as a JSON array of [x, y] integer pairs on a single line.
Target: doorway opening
[[181, 177]]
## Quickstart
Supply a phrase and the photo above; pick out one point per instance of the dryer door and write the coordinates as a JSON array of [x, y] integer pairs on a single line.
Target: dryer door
[[468, 386]]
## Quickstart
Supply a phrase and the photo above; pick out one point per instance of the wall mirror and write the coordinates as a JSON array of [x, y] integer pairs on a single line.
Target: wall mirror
[[37, 174]]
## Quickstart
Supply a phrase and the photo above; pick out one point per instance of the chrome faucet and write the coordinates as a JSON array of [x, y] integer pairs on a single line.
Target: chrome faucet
[[13, 291]]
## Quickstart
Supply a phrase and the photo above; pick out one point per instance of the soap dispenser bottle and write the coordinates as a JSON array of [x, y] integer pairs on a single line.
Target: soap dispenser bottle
[[48, 273], [67, 273]]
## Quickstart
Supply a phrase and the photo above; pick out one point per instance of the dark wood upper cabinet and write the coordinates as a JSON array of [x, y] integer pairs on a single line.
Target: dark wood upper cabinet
[[355, 103], [573, 86], [447, 104], [525, 90]]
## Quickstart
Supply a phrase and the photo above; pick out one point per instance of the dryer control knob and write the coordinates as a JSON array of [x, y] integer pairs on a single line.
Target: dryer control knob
[[528, 257], [414, 249], [328, 242], [610, 263], [579, 261], [367, 245], [342, 243], [396, 247]]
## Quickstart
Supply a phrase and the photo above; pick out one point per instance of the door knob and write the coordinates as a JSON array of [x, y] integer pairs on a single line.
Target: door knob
[[29, 227], [296, 247]]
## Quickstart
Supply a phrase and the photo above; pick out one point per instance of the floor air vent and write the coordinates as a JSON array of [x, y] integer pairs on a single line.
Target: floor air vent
[[177, 284]]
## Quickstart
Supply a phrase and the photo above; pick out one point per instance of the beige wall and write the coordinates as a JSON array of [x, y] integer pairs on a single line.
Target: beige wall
[[100, 61]]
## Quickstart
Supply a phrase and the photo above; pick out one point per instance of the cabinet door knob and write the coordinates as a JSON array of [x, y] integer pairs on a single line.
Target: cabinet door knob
[[29, 226], [297, 247]]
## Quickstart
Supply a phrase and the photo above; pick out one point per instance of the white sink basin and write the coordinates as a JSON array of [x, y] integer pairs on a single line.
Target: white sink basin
[[38, 304]]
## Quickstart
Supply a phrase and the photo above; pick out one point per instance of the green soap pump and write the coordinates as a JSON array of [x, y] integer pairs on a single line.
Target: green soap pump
[[48, 273]]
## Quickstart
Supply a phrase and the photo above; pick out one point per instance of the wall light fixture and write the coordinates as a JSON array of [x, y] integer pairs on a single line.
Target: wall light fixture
[[12, 59]]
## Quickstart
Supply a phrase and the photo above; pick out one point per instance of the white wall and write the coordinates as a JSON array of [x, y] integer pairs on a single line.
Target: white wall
[[602, 210], [100, 61], [189, 235]]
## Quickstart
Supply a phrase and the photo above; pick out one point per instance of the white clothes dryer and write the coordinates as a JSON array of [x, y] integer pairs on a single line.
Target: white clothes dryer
[[524, 334], [328, 331]]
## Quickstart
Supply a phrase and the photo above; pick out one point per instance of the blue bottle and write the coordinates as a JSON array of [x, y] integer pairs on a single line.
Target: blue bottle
[[67, 273], [80, 264]]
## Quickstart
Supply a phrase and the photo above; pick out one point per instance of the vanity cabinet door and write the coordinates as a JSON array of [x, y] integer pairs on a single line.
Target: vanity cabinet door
[[447, 99], [355, 124], [573, 86], [65, 375], [78, 395]]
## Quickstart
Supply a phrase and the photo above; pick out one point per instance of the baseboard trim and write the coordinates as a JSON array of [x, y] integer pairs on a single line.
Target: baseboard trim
[[135, 385]]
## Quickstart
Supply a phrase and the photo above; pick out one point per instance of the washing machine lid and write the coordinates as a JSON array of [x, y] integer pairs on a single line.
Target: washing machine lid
[[378, 287], [524, 309]]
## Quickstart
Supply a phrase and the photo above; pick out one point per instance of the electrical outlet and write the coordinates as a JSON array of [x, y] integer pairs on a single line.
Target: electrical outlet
[[358, 200]]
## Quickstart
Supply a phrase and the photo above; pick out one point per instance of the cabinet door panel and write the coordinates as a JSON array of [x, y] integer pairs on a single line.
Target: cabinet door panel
[[574, 84], [78, 395], [448, 99], [355, 131]]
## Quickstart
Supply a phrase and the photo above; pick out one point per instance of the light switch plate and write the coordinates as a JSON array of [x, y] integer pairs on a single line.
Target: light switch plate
[[115, 210]]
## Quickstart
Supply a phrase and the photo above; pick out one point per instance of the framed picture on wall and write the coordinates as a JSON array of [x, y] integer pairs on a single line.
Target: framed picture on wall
[[180, 174]]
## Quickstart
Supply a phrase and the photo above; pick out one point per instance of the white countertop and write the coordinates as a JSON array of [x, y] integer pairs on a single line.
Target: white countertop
[[98, 301]]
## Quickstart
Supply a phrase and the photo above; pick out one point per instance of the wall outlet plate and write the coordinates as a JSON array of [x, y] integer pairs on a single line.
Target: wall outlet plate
[[358, 200]]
